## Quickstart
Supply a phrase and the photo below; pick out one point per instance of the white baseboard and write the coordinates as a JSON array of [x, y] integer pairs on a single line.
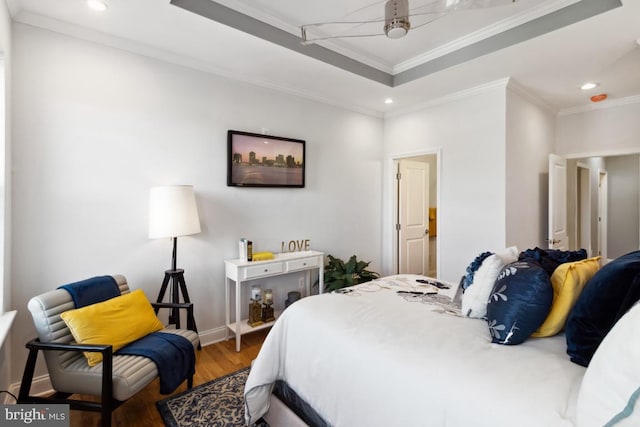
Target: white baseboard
[[213, 336], [42, 385]]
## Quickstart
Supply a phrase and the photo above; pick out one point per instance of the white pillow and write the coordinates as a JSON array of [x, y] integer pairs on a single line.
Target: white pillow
[[475, 298], [610, 391]]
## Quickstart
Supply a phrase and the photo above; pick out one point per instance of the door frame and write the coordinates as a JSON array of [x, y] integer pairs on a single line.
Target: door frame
[[390, 202], [579, 202], [603, 216]]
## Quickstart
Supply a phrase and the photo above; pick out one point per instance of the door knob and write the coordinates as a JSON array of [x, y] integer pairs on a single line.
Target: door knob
[[426, 231]]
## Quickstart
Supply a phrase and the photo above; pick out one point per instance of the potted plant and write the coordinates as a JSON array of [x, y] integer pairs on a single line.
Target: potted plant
[[339, 274]]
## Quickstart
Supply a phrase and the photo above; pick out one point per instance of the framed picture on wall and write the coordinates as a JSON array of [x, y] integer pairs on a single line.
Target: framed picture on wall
[[256, 160]]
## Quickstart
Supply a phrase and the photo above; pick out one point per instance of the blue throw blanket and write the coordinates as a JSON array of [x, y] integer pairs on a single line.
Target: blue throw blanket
[[92, 291], [173, 355]]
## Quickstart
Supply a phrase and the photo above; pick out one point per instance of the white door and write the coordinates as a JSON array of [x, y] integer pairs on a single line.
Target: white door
[[413, 217], [557, 236]]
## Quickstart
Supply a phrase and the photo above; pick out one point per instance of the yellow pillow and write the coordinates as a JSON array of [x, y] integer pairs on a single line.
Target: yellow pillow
[[567, 281], [262, 256], [118, 321]]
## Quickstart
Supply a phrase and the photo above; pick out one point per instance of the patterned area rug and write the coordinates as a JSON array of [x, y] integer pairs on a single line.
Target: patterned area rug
[[218, 403]]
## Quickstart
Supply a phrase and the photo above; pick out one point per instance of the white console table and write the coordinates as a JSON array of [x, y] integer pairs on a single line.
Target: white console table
[[238, 271]]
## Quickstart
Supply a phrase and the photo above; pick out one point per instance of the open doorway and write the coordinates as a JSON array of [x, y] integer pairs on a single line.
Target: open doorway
[[603, 211], [416, 214]]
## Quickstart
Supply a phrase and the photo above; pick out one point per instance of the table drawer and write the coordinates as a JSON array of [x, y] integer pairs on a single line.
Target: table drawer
[[299, 264], [263, 270]]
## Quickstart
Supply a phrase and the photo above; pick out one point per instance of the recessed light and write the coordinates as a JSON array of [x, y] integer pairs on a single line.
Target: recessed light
[[588, 86], [388, 101], [97, 5]]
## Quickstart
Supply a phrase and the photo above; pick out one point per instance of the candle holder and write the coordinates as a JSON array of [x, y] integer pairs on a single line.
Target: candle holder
[[255, 313], [255, 308], [268, 314]]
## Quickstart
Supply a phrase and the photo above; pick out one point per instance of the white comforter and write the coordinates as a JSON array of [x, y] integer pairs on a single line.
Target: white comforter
[[375, 359]]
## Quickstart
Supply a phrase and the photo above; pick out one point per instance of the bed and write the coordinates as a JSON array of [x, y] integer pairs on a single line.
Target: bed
[[375, 357]]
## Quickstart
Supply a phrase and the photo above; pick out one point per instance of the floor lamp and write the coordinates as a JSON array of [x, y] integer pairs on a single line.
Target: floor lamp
[[173, 213]]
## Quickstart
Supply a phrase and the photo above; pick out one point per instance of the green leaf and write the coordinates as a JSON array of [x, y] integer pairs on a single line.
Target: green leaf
[[338, 274], [350, 267]]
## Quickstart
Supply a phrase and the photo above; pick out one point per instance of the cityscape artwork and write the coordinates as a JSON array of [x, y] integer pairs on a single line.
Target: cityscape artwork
[[256, 160]]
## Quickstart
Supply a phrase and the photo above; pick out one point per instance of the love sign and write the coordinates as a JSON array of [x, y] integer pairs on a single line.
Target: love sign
[[296, 245]]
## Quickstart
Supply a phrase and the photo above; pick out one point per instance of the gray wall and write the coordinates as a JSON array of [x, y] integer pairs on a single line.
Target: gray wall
[[623, 204]]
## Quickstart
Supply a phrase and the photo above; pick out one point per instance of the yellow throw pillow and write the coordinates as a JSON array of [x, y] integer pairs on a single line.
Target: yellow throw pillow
[[567, 281], [118, 321]]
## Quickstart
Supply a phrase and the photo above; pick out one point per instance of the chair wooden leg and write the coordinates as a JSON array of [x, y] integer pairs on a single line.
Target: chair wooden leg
[[190, 382], [106, 416], [107, 405], [27, 376]]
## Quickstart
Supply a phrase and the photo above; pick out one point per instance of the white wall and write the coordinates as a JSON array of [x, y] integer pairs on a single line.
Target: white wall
[[602, 131], [96, 127], [530, 131], [470, 132]]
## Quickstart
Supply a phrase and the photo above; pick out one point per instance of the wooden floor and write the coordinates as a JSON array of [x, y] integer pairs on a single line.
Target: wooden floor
[[212, 361]]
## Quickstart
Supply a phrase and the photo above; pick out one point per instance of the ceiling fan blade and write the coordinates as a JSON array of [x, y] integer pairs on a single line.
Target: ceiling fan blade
[[332, 30], [448, 6], [426, 12]]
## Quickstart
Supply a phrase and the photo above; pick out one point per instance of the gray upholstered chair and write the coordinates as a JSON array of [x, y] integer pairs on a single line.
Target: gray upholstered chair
[[115, 380]]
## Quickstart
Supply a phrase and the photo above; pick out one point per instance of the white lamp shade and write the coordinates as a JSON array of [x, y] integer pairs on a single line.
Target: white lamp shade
[[172, 211]]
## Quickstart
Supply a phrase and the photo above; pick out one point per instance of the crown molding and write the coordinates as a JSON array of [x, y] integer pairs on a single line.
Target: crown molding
[[602, 153], [453, 97], [519, 89], [605, 105]]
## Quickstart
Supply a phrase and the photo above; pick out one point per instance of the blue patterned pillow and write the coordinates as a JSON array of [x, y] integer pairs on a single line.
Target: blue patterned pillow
[[520, 301]]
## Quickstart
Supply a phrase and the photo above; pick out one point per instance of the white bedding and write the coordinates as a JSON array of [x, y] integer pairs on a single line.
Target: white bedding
[[375, 359]]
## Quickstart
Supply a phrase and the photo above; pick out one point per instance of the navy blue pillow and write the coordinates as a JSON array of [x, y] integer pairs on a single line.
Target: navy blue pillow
[[520, 301], [550, 259], [606, 297]]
